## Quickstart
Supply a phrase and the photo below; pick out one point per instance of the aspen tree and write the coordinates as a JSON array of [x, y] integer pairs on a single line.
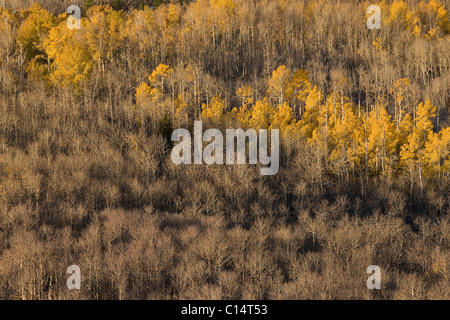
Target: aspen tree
[[437, 153], [35, 27], [412, 152], [279, 83]]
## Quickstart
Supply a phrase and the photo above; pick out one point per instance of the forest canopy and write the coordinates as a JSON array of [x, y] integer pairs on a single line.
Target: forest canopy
[[242, 63], [86, 117]]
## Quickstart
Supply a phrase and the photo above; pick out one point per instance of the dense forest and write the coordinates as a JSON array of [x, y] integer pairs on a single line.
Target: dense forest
[[86, 178]]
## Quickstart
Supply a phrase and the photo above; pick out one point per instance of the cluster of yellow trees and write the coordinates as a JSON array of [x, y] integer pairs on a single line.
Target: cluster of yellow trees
[[417, 21], [351, 139], [66, 57]]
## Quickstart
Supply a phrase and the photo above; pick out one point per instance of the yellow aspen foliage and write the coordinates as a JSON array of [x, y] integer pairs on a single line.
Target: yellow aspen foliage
[[439, 9], [140, 31], [431, 34], [399, 13], [358, 151], [341, 107], [437, 153], [214, 112], [181, 110], [417, 30], [344, 143], [377, 43], [261, 113], [72, 61], [412, 150], [153, 92], [34, 29], [404, 130], [424, 115], [104, 32], [314, 8], [380, 137], [409, 151], [227, 5], [159, 75], [334, 126], [222, 13], [433, 17], [8, 18], [299, 87], [146, 92], [279, 82], [143, 90], [37, 71], [398, 90], [173, 16], [441, 15], [320, 124], [312, 109], [245, 93], [328, 115], [149, 98], [323, 119], [166, 24], [242, 114], [8, 21], [283, 119], [356, 146], [171, 24], [414, 24], [400, 87]]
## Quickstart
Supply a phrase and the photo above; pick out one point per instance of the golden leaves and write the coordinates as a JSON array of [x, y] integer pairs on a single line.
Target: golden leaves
[[214, 111], [34, 29]]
